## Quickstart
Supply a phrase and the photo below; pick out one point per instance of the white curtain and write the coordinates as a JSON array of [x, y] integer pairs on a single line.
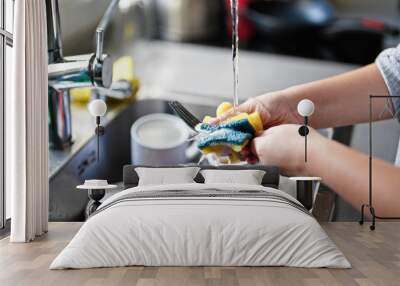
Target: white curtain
[[26, 130]]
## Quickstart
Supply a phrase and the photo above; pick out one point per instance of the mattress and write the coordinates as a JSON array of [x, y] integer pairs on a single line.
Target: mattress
[[201, 225]]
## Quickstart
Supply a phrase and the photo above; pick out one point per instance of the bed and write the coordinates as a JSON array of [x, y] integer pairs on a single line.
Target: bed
[[198, 224]]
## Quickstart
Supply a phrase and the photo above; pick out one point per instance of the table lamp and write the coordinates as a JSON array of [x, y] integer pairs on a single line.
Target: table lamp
[[305, 108], [97, 109]]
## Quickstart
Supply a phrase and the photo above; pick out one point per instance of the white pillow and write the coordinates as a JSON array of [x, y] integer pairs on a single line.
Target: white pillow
[[247, 177], [166, 176]]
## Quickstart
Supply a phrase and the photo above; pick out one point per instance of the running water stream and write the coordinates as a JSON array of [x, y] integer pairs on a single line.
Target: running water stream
[[235, 50], [235, 59]]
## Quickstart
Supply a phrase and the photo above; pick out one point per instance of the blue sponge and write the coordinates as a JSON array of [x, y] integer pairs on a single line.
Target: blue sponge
[[232, 133]]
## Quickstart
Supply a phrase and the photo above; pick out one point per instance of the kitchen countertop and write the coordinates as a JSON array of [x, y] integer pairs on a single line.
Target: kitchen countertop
[[197, 74], [207, 71]]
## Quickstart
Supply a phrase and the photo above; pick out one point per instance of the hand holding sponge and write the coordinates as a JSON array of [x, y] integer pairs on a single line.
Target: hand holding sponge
[[229, 137]]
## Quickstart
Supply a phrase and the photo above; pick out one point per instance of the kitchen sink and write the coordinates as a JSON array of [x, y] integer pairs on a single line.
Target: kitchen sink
[[67, 203]]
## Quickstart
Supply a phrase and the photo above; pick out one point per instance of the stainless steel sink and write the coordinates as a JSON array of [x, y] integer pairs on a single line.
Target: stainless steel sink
[[67, 203]]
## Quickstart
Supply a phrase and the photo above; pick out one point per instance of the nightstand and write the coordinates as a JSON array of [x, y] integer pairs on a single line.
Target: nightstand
[[96, 191], [306, 190]]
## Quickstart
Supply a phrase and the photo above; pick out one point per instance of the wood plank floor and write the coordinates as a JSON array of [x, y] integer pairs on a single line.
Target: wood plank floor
[[375, 257]]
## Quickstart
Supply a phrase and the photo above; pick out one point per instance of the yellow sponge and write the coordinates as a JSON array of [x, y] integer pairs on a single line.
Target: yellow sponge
[[253, 118], [123, 69], [223, 108], [82, 94]]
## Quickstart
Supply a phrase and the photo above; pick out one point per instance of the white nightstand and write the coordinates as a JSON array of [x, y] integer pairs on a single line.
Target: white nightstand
[[307, 190]]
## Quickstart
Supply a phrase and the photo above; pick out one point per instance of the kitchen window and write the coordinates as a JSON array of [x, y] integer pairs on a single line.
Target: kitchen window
[[6, 44]]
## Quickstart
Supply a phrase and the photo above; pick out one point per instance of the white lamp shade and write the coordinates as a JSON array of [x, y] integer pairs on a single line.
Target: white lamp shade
[[305, 108], [97, 107]]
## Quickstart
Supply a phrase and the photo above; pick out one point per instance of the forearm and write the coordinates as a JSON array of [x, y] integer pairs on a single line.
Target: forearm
[[340, 100], [346, 172]]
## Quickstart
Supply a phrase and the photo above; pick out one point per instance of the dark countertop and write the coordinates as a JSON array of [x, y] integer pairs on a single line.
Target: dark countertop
[[83, 125]]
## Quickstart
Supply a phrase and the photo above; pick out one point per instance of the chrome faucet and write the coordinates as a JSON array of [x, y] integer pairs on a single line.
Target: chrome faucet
[[98, 66], [77, 71]]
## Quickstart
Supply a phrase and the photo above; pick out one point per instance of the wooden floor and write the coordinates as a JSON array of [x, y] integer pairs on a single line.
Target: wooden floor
[[375, 257]]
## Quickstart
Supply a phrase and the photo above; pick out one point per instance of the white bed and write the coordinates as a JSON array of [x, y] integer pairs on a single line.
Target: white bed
[[225, 225]]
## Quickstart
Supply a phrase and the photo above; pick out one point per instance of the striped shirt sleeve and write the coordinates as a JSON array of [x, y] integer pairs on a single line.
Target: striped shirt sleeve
[[388, 63]]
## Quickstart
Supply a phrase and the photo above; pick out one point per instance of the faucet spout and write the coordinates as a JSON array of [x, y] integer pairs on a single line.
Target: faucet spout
[[54, 41], [99, 65], [101, 28], [72, 72]]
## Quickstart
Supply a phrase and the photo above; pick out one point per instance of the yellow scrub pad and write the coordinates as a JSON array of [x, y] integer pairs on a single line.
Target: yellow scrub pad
[[82, 94], [253, 118], [123, 70], [223, 108]]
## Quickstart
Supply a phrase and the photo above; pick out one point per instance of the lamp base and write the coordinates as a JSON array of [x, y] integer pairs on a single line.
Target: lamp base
[[304, 131], [372, 211], [95, 196], [304, 190]]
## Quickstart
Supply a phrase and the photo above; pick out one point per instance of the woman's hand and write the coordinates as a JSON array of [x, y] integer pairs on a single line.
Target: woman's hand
[[282, 146], [274, 108]]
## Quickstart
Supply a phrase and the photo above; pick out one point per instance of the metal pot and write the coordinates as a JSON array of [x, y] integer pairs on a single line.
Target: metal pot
[[188, 20], [159, 139]]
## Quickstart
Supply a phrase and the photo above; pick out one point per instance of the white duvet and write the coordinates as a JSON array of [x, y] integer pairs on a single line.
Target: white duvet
[[205, 231]]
